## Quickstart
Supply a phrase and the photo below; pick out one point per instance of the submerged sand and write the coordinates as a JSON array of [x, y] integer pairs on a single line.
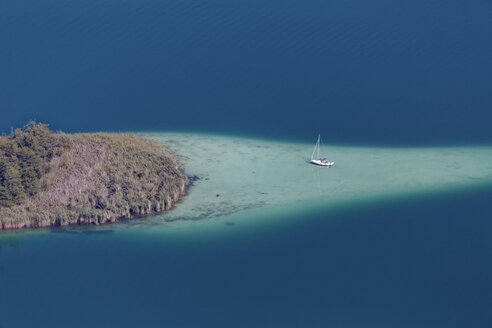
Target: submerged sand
[[239, 174]]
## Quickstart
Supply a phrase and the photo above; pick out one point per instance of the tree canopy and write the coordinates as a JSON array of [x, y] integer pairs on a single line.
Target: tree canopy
[[24, 159]]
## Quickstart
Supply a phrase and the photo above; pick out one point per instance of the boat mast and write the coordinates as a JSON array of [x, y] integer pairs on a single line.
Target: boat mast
[[315, 147], [319, 138], [314, 150]]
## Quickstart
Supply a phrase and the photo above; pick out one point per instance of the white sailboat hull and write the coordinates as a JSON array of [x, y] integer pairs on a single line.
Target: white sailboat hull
[[322, 163]]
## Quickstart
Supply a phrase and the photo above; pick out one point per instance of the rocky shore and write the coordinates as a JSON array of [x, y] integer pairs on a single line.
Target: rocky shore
[[55, 179]]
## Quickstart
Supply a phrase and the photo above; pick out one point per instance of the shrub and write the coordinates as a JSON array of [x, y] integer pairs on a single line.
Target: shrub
[[49, 178], [24, 158]]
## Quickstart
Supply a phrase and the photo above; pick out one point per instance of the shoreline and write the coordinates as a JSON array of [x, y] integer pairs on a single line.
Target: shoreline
[[233, 175], [84, 221], [56, 179], [237, 174]]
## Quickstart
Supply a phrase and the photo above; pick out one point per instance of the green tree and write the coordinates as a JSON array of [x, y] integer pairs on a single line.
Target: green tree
[[25, 157], [31, 167], [11, 189]]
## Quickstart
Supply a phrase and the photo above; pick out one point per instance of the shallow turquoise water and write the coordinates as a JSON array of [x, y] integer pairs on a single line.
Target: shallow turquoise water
[[393, 244], [419, 262], [359, 72]]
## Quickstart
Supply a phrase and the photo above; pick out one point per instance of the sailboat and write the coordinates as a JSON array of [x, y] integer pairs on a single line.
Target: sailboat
[[319, 161]]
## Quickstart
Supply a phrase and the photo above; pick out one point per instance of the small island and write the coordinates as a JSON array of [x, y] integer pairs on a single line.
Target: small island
[[56, 179]]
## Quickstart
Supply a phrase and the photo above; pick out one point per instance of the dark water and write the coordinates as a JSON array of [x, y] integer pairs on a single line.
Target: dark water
[[377, 72], [423, 262], [398, 72]]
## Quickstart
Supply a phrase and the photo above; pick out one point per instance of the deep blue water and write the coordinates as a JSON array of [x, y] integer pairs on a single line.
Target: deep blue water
[[363, 72], [422, 262], [392, 72]]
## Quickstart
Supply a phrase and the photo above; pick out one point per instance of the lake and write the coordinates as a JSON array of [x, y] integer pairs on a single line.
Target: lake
[[405, 74], [380, 72]]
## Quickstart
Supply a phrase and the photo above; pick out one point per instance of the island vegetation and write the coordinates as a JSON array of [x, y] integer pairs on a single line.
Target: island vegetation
[[49, 179]]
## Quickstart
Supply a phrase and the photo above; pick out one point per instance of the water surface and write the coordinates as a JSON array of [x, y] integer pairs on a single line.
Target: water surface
[[391, 72], [397, 73], [422, 262]]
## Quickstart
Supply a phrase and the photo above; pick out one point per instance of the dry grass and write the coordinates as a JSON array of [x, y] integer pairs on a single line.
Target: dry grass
[[100, 178]]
